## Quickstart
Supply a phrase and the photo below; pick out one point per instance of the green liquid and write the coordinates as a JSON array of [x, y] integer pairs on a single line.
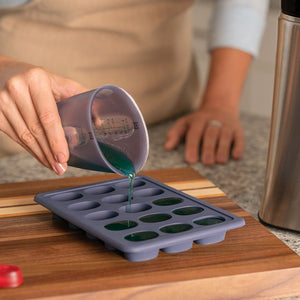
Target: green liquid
[[130, 193], [176, 228], [121, 162], [155, 218], [121, 225], [118, 159], [167, 201], [187, 211], [209, 221], [141, 236]]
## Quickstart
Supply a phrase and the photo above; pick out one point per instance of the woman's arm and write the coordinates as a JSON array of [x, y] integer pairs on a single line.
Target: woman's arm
[[235, 33], [228, 69]]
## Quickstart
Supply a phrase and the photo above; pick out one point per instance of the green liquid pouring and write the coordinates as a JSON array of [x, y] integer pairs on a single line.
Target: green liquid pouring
[[121, 162]]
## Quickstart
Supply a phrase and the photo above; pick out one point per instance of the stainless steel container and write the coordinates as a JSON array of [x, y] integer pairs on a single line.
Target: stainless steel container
[[281, 203]]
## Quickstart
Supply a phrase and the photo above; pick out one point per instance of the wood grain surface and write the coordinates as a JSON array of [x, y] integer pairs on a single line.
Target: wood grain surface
[[60, 263]]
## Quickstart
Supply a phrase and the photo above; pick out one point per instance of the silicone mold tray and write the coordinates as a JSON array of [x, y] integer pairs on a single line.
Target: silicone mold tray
[[159, 218]]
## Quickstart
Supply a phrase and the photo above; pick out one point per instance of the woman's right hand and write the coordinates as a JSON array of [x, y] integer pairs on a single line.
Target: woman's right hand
[[28, 110]]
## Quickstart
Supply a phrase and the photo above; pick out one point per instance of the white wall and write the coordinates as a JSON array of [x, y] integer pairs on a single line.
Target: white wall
[[258, 91]]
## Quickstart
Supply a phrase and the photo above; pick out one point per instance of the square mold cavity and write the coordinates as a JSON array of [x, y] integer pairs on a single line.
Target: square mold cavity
[[159, 218]]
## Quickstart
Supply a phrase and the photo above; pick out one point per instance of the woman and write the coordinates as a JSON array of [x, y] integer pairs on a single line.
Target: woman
[[143, 46]]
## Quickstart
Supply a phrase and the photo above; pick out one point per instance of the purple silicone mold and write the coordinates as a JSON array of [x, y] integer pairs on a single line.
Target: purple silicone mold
[[160, 217]]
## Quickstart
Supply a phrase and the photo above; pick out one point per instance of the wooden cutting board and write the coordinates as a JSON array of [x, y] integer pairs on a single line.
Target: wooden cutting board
[[58, 262]]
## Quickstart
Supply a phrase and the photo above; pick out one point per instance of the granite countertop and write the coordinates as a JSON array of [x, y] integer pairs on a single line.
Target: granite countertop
[[242, 181]]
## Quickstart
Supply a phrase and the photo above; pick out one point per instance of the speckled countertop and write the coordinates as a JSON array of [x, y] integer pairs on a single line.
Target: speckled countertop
[[242, 181]]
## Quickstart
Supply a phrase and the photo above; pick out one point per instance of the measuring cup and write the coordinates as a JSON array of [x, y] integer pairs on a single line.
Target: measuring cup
[[105, 131]]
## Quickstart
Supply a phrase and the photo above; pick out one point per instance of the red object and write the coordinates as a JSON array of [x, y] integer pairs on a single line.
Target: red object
[[10, 276]]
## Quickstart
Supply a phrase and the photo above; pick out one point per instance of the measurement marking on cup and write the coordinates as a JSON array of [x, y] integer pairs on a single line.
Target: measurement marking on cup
[[91, 136]]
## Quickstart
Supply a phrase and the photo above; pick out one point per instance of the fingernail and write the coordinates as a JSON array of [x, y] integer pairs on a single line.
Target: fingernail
[[60, 158], [192, 159], [167, 145], [222, 158], [59, 169], [237, 155], [208, 159]]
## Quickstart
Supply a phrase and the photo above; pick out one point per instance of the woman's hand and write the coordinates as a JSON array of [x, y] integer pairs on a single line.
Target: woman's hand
[[28, 111], [216, 132], [215, 128]]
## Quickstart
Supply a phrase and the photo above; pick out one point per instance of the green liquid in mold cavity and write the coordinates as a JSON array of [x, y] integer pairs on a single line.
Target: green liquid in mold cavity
[[121, 225], [154, 218], [167, 201], [209, 221], [141, 236], [184, 211], [176, 228]]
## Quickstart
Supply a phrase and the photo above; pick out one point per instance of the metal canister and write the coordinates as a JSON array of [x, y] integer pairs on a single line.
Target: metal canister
[[281, 203]]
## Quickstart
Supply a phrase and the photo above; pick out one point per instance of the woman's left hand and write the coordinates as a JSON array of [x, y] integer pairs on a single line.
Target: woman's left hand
[[214, 132]]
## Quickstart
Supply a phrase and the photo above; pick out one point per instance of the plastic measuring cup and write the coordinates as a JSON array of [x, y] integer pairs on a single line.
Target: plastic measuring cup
[[105, 131]]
